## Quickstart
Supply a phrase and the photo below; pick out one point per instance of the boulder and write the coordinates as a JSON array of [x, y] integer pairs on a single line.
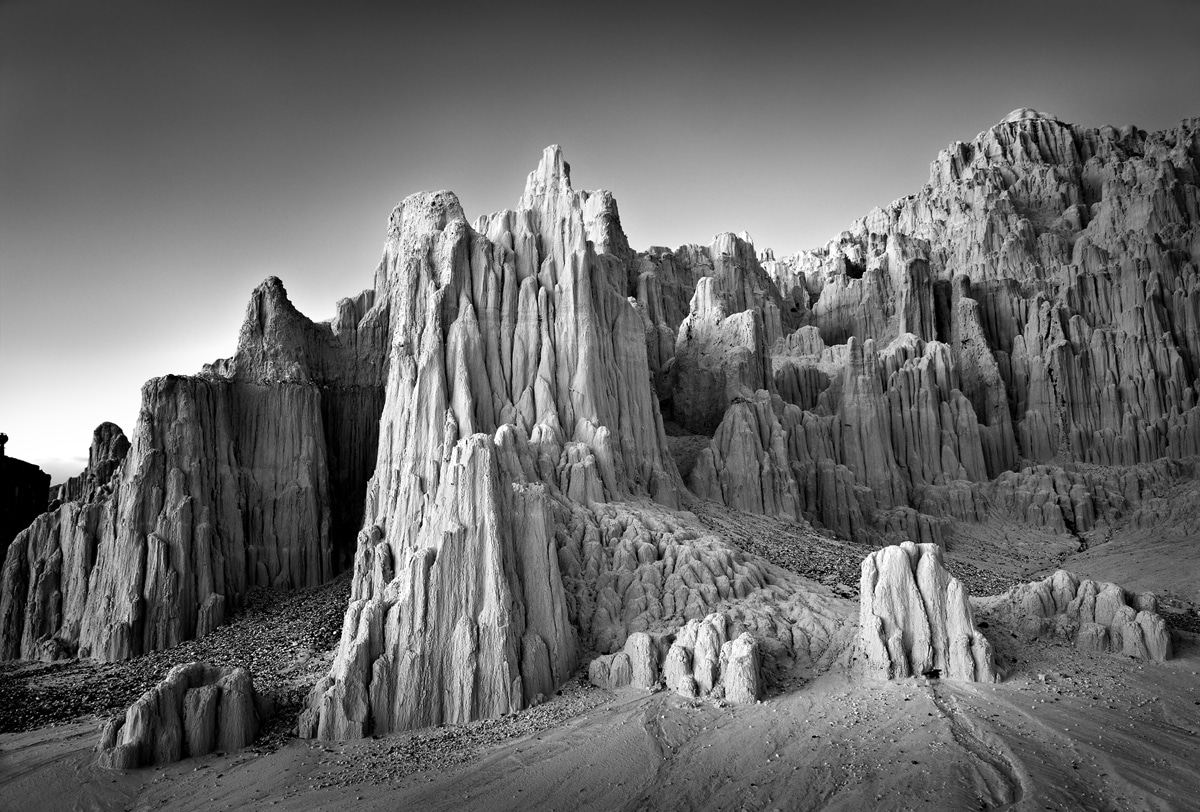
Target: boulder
[[196, 709]]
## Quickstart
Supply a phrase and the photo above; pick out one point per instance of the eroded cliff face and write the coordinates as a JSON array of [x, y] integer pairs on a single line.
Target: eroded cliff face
[[711, 314], [1029, 315], [249, 474], [518, 405]]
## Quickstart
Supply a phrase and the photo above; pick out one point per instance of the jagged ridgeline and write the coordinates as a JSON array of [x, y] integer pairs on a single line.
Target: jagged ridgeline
[[495, 434], [1019, 340]]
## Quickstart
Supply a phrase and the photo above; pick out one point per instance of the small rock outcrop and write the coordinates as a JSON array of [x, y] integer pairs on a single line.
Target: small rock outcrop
[[916, 619], [704, 662], [701, 659], [197, 709], [251, 473], [1096, 615]]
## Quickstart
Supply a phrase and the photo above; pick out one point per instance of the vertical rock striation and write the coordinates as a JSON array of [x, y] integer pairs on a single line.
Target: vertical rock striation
[[229, 482], [1031, 312], [702, 658], [1097, 616], [197, 709], [915, 618]]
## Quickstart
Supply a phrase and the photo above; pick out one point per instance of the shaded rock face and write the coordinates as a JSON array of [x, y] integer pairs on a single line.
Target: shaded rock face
[[23, 493], [1030, 313], [1096, 616], [249, 474], [916, 619], [196, 710]]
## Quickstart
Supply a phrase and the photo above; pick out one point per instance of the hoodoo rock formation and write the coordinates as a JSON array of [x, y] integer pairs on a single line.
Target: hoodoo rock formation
[[197, 709], [1097, 616], [105, 455], [916, 619], [518, 405]]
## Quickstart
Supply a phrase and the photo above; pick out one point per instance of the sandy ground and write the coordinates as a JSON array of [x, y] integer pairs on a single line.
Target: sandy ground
[[1064, 731]]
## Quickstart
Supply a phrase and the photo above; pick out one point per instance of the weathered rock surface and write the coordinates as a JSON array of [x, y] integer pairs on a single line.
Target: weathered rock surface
[[916, 619], [509, 514], [196, 710], [636, 665], [230, 481], [688, 343], [517, 384], [1097, 616], [705, 659], [1031, 312], [1018, 339], [720, 349], [107, 452]]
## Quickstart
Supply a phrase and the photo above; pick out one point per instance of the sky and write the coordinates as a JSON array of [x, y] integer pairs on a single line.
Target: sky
[[160, 158]]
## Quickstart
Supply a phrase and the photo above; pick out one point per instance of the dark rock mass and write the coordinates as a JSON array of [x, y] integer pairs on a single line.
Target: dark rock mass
[[1028, 323], [23, 492]]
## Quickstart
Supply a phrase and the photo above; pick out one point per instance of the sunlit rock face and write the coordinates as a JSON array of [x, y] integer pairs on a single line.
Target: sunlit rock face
[[24, 489], [1032, 312], [522, 506], [517, 383], [1095, 615], [915, 618], [248, 474]]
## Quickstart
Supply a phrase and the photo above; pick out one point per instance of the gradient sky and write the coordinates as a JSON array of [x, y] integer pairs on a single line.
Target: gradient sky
[[158, 159]]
